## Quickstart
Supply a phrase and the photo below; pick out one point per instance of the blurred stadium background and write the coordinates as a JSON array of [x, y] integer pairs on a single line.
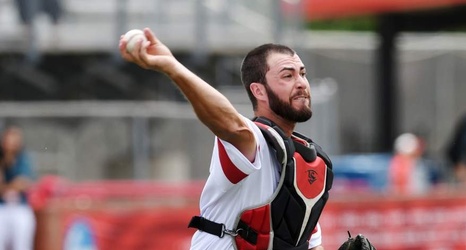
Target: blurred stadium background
[[120, 154]]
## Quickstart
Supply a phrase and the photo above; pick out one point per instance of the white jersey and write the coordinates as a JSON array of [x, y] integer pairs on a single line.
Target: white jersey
[[235, 184]]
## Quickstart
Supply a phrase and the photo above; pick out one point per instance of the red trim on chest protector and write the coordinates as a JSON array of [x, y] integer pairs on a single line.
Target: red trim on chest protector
[[310, 176], [259, 220], [233, 174]]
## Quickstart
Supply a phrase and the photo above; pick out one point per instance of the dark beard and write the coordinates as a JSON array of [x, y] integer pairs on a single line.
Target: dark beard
[[285, 110]]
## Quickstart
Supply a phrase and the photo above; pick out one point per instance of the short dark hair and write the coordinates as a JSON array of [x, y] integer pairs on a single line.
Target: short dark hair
[[254, 66]]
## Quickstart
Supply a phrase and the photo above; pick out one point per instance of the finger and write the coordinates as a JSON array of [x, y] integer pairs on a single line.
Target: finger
[[137, 48], [138, 53], [143, 55], [123, 52], [122, 45], [129, 56], [151, 37], [145, 44], [125, 55]]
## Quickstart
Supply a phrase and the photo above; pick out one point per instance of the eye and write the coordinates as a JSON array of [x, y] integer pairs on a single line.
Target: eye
[[288, 76], [303, 74]]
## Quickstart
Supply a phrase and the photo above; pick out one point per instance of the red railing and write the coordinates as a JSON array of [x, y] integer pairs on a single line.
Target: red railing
[[154, 215]]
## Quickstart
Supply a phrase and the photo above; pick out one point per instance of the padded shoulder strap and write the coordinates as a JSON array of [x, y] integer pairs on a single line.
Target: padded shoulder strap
[[276, 138], [320, 151]]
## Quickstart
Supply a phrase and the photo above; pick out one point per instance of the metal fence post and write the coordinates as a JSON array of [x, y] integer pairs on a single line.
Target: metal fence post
[[121, 21], [141, 143]]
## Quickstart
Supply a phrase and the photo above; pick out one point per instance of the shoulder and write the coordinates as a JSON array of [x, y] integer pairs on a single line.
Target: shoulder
[[24, 163], [24, 156], [323, 155], [256, 130]]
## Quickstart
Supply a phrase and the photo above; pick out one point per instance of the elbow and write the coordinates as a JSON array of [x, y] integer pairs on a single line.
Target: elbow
[[236, 131], [244, 140]]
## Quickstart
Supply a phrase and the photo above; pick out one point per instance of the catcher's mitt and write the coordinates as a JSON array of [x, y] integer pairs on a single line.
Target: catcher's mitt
[[360, 242]]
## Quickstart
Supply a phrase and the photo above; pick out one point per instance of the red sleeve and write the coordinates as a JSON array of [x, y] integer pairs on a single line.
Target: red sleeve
[[233, 174]]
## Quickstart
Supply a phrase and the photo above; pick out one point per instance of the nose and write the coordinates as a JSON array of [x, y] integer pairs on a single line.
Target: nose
[[301, 82]]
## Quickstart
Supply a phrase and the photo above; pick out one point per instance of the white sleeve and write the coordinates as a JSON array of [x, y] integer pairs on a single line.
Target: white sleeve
[[230, 164], [316, 237]]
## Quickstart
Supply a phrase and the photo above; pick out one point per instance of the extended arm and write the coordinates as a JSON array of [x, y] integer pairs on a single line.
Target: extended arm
[[211, 107]]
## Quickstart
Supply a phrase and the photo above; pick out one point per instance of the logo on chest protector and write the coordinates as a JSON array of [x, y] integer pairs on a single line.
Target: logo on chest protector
[[311, 176]]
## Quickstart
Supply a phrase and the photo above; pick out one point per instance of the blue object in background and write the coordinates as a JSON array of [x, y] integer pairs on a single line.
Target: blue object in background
[[370, 170], [79, 236]]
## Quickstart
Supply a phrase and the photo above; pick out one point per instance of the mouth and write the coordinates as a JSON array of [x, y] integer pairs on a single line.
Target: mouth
[[301, 98]]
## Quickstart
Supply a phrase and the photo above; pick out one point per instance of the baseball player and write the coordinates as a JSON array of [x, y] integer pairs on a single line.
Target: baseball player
[[268, 184]]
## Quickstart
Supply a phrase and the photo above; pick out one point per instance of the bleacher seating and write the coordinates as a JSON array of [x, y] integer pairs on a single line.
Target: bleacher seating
[[77, 57]]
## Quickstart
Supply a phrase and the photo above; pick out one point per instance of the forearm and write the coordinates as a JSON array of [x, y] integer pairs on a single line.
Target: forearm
[[19, 184], [3, 184], [2, 187], [214, 110], [11, 192], [211, 107]]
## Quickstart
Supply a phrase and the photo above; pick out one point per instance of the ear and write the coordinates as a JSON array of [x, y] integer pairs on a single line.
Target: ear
[[258, 90]]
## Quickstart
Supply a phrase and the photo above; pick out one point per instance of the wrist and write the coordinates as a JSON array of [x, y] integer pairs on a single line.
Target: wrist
[[174, 69]]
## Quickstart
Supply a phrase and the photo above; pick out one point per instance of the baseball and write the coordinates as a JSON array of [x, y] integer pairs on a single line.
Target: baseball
[[131, 37]]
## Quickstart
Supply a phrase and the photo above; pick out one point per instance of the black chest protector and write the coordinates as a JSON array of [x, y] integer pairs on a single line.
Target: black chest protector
[[287, 220]]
